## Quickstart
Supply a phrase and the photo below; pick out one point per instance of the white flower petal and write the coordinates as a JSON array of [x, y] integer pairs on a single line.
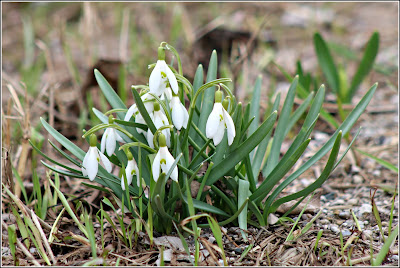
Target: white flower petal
[[85, 163], [230, 127], [220, 133], [149, 137], [167, 94], [92, 164], [170, 160], [185, 117], [155, 168], [177, 113], [213, 120], [103, 140], [155, 79], [131, 111], [110, 142], [105, 162], [118, 137], [171, 79], [140, 120]]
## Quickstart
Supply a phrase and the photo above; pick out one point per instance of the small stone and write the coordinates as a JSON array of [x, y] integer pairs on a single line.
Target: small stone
[[211, 239], [346, 232], [358, 179], [352, 201], [395, 257], [324, 221], [305, 182], [272, 219], [344, 214], [355, 169], [339, 202], [334, 228], [368, 233], [365, 208], [376, 173], [238, 250]]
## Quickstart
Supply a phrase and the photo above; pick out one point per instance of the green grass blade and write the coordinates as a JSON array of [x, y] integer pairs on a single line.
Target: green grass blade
[[279, 134], [75, 150], [255, 105], [384, 163], [385, 248], [365, 66], [208, 95], [322, 178], [111, 96], [242, 150], [326, 62], [278, 172], [243, 195]]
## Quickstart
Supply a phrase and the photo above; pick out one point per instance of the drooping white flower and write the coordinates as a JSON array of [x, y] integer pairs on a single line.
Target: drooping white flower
[[109, 139], [92, 159], [130, 170], [161, 76], [163, 161], [167, 94], [180, 115], [219, 120], [159, 119], [133, 110]]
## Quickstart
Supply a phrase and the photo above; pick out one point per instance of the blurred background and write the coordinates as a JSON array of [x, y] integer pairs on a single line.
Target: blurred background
[[50, 50]]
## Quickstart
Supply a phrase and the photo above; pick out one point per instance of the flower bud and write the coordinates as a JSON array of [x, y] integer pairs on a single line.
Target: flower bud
[[162, 142], [93, 140]]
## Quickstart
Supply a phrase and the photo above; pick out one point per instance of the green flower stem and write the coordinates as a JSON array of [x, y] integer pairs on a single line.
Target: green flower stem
[[193, 105], [197, 147], [224, 197], [115, 111], [163, 106], [102, 126], [200, 153], [203, 182], [138, 144], [229, 220], [157, 133], [204, 138]]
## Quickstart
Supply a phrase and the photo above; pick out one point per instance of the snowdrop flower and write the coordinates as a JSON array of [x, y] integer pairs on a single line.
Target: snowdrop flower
[[180, 115], [92, 159], [130, 170], [218, 121], [133, 110], [167, 94], [161, 75], [160, 120], [109, 139], [164, 161]]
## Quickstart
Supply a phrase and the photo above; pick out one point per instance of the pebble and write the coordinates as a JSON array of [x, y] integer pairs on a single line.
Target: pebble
[[368, 233], [352, 201], [346, 232], [365, 208], [395, 257], [334, 228], [355, 169], [211, 239], [324, 221], [344, 214], [376, 173], [358, 179], [339, 202]]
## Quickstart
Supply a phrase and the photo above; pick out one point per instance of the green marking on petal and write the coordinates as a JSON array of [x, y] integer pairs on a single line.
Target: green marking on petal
[[163, 74], [221, 117], [163, 161], [98, 159]]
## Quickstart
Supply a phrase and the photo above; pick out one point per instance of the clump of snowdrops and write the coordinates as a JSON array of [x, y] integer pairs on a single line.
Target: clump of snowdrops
[[186, 150]]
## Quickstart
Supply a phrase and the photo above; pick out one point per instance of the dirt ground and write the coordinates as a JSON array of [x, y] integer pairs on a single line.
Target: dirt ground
[[54, 48]]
